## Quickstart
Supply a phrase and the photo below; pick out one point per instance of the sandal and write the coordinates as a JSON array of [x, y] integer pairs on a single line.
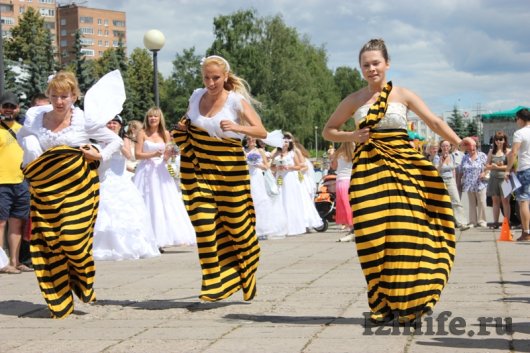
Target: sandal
[[24, 268], [10, 270], [524, 236]]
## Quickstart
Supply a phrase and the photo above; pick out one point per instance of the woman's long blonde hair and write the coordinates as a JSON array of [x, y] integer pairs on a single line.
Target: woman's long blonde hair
[[161, 126], [233, 82], [345, 150]]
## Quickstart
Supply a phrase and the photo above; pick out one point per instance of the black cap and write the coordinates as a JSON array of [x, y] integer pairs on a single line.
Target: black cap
[[118, 119], [9, 98]]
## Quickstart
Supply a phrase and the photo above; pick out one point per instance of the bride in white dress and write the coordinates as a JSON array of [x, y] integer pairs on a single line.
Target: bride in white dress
[[299, 209], [123, 229], [270, 219], [170, 220]]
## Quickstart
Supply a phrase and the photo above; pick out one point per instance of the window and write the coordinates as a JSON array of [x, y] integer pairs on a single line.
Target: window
[[100, 32], [63, 21], [86, 30], [7, 7], [100, 42], [21, 9], [87, 52], [99, 21], [49, 25], [106, 43], [86, 19], [106, 22], [115, 43], [63, 32], [8, 20], [87, 41], [106, 33], [118, 23], [118, 33], [46, 1], [63, 43], [47, 12]]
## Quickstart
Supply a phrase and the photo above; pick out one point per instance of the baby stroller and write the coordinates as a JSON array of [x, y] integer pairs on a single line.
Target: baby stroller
[[325, 201]]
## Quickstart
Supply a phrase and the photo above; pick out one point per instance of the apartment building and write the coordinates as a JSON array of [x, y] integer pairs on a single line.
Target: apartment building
[[12, 9], [100, 29]]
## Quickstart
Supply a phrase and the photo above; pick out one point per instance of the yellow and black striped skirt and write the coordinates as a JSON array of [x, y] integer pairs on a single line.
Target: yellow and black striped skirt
[[216, 191], [404, 226], [64, 202]]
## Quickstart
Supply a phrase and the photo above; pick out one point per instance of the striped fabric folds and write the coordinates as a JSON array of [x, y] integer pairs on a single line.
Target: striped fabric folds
[[216, 191], [404, 225], [64, 191]]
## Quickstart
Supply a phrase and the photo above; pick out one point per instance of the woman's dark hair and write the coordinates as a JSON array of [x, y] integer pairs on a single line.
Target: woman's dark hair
[[523, 114], [375, 45], [500, 135], [119, 119]]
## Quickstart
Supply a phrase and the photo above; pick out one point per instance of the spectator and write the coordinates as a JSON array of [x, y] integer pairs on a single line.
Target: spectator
[[521, 151], [496, 165], [14, 192], [473, 169]]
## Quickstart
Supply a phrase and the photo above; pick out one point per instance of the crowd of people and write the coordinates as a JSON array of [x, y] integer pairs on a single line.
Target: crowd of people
[[103, 189]]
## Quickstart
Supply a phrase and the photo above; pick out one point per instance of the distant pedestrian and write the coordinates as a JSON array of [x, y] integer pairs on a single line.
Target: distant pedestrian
[[521, 151], [496, 165]]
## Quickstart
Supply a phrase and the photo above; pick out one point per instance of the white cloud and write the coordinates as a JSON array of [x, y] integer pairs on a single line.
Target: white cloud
[[449, 52]]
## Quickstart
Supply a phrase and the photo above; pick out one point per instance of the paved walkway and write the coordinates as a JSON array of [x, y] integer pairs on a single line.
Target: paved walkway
[[311, 298]]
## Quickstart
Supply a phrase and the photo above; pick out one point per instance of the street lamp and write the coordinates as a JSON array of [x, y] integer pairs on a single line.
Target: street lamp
[[154, 40], [316, 142]]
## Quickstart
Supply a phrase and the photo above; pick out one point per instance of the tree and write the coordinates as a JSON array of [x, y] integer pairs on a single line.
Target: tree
[[348, 80], [140, 82], [176, 90], [286, 73], [456, 123], [31, 46], [82, 70]]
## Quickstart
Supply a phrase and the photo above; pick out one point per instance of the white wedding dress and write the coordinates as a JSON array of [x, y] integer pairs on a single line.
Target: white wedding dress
[[123, 229], [170, 220], [270, 218]]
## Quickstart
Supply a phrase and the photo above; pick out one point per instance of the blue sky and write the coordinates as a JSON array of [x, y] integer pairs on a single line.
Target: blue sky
[[473, 53]]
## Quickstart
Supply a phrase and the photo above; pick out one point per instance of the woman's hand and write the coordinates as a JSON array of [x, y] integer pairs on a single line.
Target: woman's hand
[[361, 135], [90, 153], [229, 125]]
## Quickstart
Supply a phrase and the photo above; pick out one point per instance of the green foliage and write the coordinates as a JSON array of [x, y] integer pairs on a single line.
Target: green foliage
[[31, 47], [348, 80], [140, 81], [472, 128], [82, 69], [286, 73], [176, 90], [457, 123]]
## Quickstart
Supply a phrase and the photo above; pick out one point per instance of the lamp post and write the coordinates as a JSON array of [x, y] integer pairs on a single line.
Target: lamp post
[[316, 142], [154, 40]]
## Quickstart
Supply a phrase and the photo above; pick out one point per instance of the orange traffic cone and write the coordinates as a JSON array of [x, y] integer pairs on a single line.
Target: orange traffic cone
[[506, 234]]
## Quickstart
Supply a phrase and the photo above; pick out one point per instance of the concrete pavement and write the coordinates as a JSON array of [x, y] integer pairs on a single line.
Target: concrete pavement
[[311, 298]]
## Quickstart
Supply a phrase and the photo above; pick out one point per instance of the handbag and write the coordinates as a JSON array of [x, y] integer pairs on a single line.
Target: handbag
[[270, 183]]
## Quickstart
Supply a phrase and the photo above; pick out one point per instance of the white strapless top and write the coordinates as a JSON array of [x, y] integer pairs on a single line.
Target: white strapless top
[[395, 117]]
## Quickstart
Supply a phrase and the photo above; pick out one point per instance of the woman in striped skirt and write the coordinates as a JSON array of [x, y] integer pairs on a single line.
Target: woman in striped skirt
[[64, 186], [216, 183], [404, 225]]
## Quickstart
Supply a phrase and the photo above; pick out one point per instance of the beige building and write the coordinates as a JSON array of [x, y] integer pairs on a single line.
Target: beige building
[[12, 9], [100, 29]]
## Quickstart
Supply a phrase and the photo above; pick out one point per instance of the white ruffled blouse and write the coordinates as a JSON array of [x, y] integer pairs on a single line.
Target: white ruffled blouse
[[35, 138], [212, 125]]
